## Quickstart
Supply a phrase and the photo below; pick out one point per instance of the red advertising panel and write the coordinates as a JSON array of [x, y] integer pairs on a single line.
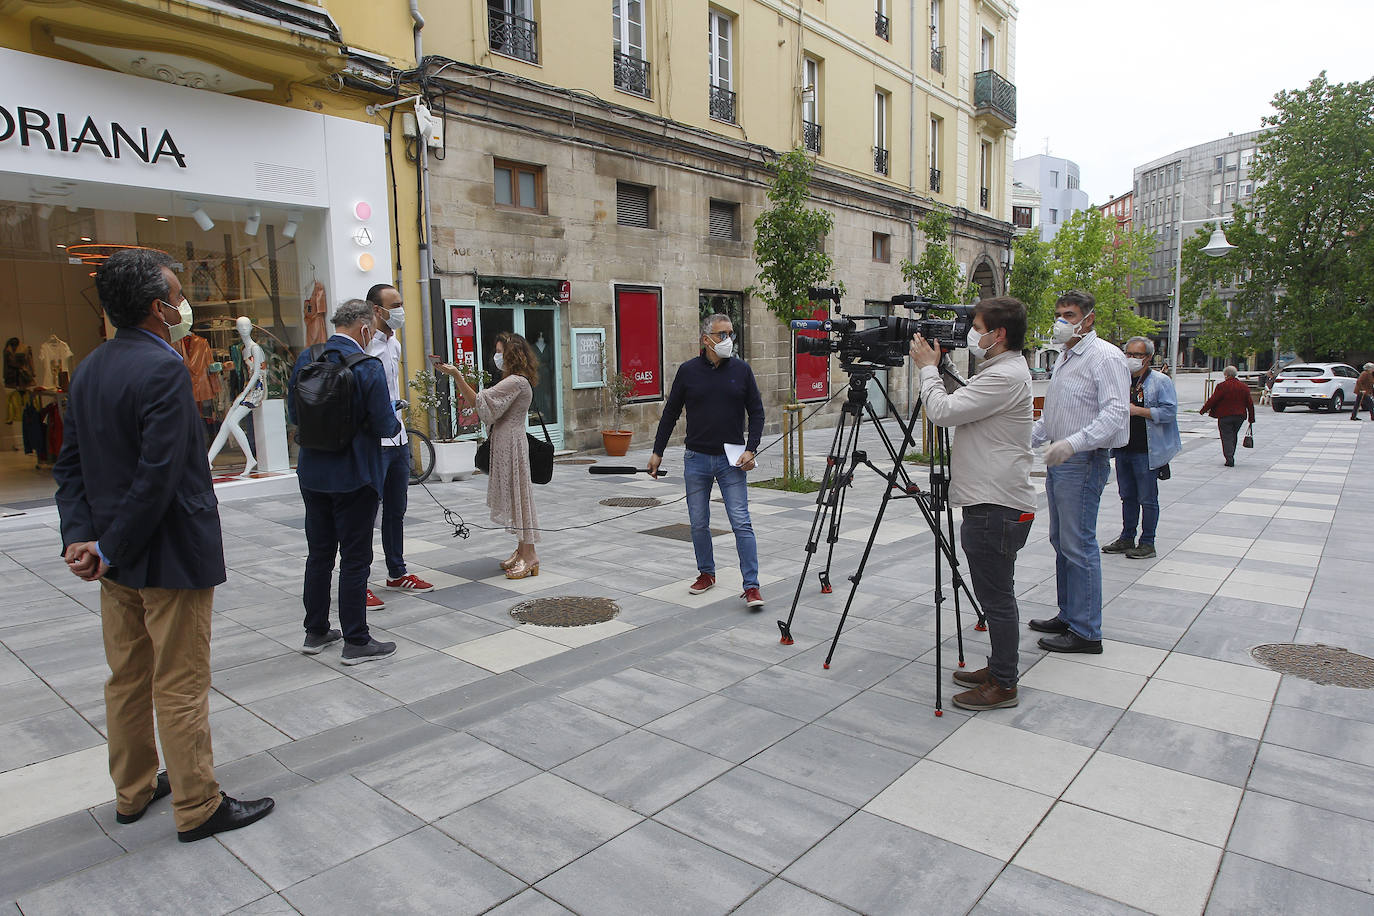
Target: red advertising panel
[[639, 340], [813, 372], [463, 323]]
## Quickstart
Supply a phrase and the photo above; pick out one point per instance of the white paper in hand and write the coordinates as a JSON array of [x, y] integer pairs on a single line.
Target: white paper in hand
[[733, 453]]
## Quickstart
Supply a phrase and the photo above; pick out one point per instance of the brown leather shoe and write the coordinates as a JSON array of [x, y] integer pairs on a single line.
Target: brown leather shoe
[[971, 678], [988, 695]]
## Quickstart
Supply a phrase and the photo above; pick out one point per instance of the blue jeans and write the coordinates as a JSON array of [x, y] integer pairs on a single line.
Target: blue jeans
[[700, 470], [1074, 490], [395, 493], [1139, 489]]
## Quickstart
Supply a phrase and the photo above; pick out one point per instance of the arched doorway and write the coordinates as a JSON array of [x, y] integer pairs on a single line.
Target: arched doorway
[[986, 280]]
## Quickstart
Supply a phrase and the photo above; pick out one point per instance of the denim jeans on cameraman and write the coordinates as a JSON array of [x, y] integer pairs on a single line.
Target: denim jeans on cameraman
[[1074, 491], [700, 471], [1139, 489], [991, 535]]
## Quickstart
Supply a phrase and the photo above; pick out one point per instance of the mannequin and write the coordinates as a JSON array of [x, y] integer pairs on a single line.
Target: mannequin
[[255, 367]]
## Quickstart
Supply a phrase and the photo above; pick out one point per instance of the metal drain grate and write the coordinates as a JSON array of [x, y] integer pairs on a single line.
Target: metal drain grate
[[1328, 665], [575, 461], [565, 611], [632, 502]]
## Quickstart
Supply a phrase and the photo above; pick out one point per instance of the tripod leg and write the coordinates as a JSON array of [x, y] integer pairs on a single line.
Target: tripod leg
[[858, 574]]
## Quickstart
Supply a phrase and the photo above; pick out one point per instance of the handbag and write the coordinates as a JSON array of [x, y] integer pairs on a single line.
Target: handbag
[[541, 456], [1249, 440], [1162, 472]]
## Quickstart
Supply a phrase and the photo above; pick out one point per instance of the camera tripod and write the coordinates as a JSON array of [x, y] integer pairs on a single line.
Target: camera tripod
[[841, 462]]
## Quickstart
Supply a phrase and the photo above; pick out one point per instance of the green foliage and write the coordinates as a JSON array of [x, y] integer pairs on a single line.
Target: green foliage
[[936, 274], [431, 403], [1032, 280], [793, 484], [615, 394], [787, 240], [1090, 253]]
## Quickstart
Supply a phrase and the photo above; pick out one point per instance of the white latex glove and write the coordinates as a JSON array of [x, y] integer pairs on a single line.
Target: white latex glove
[[1058, 453]]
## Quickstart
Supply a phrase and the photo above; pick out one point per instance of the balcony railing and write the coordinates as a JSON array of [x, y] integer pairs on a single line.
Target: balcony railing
[[994, 96], [937, 60], [879, 160], [631, 74], [985, 198], [514, 36], [935, 180], [882, 26], [722, 104], [811, 136]]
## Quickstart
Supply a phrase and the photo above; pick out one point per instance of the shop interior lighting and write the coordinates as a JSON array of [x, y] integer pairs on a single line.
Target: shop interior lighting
[[162, 219], [202, 219], [45, 211], [254, 221], [85, 238], [73, 208], [293, 223]]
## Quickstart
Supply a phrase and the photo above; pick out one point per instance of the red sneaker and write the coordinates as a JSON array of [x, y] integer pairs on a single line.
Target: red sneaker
[[408, 583], [373, 602], [705, 582], [752, 597]]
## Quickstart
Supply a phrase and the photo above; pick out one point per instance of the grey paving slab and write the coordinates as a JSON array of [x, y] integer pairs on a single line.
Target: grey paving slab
[[272, 905], [422, 872], [725, 728], [636, 697], [462, 706], [237, 732], [1316, 842], [1312, 779], [1332, 736], [530, 903], [159, 879], [790, 693], [702, 666], [902, 725], [239, 646], [778, 896], [642, 771], [1056, 716], [875, 866], [315, 828], [270, 677], [12, 670], [1245, 886], [358, 743], [45, 736], [25, 698], [841, 767], [548, 732], [1340, 702], [445, 775], [319, 707], [1203, 752], [701, 880], [444, 630], [36, 856], [850, 664], [535, 828], [754, 817], [1020, 892], [470, 595]]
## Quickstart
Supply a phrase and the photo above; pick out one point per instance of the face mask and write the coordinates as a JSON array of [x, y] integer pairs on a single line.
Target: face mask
[[974, 341], [498, 360], [1064, 332], [1134, 364], [395, 318], [725, 348], [367, 336]]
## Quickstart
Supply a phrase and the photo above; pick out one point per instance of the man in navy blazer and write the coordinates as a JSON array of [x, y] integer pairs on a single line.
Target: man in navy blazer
[[139, 514], [341, 491]]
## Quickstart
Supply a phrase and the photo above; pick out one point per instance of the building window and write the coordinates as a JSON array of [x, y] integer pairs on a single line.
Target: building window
[[1021, 217], [1072, 182], [937, 48], [519, 186], [882, 247], [1219, 163], [1054, 179], [811, 104], [986, 56], [1232, 160], [630, 68], [882, 25], [935, 182], [511, 29], [985, 175], [880, 132], [719, 34], [1230, 192], [723, 220], [634, 205], [1054, 216]]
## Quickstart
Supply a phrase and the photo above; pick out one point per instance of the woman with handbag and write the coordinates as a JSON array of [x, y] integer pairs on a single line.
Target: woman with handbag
[[503, 407]]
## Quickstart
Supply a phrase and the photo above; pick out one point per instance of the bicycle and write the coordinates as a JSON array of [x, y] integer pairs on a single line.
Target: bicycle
[[421, 456]]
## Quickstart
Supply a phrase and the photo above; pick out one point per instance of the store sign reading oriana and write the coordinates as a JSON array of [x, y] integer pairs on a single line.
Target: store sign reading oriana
[[33, 126]]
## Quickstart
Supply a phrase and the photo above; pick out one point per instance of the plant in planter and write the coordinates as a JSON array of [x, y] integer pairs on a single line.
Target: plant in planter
[[453, 457], [615, 395]]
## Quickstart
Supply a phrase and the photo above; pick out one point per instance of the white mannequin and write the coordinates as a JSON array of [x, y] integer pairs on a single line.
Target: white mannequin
[[255, 362]]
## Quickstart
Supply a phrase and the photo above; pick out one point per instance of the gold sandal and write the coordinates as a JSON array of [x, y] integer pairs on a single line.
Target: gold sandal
[[522, 570], [510, 561]]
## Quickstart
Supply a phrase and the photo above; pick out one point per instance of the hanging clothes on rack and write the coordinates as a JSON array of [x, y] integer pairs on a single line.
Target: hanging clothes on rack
[[54, 359]]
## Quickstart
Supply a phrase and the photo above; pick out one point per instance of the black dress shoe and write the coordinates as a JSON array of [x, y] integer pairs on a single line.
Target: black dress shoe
[[163, 789], [230, 815], [1069, 641], [1049, 625]]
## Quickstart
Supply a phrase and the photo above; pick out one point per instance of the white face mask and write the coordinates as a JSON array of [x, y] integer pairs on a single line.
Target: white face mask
[[1134, 364], [497, 361], [975, 344], [725, 348], [1064, 332], [395, 318], [179, 331]]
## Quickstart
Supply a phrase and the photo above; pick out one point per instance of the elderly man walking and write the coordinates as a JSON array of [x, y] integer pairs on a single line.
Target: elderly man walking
[[1364, 392], [1230, 403]]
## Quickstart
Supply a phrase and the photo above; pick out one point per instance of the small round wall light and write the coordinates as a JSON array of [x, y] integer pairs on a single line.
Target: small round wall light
[[363, 210], [366, 262]]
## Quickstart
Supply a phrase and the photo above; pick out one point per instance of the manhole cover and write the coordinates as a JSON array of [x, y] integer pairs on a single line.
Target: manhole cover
[[575, 461], [1329, 665], [565, 611], [632, 502]]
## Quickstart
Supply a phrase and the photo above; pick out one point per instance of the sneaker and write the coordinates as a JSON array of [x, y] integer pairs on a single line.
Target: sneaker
[[314, 643], [1120, 545], [373, 602], [752, 597], [705, 582], [370, 652], [971, 678], [408, 583], [988, 695], [1143, 552]]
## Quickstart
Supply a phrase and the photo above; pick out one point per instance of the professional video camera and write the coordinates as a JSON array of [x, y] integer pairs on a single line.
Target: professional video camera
[[887, 342]]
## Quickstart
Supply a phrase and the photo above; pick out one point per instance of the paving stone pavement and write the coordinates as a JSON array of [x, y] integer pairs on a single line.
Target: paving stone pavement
[[680, 760]]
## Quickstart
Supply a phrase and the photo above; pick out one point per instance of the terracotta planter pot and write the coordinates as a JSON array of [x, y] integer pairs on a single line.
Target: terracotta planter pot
[[616, 441]]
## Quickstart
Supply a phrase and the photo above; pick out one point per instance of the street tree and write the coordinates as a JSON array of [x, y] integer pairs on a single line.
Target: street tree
[[788, 241], [1090, 252], [1032, 279], [935, 274]]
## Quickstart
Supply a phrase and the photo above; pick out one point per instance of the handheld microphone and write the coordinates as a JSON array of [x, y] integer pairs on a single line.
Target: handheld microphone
[[620, 469]]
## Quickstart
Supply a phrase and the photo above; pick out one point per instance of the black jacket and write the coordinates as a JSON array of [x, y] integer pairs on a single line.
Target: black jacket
[[133, 473]]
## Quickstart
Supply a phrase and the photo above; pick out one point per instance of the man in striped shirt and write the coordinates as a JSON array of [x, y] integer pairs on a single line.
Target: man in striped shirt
[[1086, 414]]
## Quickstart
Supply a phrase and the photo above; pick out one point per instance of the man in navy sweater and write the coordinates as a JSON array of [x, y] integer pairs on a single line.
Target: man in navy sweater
[[717, 390]]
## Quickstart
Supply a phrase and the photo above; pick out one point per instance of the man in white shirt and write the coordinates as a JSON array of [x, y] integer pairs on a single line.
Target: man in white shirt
[[1086, 414], [989, 479], [389, 315]]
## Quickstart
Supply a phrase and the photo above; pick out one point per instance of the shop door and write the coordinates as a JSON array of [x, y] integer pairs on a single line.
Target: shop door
[[538, 325]]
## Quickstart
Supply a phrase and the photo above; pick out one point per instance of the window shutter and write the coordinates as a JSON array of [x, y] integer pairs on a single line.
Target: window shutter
[[723, 220], [632, 205]]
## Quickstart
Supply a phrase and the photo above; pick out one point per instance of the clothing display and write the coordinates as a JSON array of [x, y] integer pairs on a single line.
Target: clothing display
[[54, 358], [19, 367], [197, 363], [543, 392], [315, 308]]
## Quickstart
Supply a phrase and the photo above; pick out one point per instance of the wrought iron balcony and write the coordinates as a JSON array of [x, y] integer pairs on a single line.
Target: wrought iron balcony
[[882, 26], [985, 198], [935, 180], [631, 74], [811, 136], [937, 59], [879, 160], [514, 36], [994, 97], [722, 104]]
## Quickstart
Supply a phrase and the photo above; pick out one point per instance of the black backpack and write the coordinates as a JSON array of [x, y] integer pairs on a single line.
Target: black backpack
[[323, 401]]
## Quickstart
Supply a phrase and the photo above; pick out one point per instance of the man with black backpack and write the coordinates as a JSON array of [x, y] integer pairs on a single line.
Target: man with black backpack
[[342, 410]]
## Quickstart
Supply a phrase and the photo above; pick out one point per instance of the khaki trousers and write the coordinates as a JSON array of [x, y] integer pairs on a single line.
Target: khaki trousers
[[157, 643]]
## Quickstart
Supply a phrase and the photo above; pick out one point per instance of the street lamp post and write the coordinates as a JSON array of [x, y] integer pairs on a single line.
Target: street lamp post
[[1216, 247]]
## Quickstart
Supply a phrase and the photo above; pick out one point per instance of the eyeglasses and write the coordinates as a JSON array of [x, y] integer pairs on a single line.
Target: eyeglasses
[[722, 335]]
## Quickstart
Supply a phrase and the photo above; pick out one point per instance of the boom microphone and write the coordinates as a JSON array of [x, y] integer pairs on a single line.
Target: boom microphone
[[620, 469]]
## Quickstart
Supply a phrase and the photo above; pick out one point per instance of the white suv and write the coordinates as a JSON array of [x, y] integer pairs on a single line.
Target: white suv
[[1327, 385]]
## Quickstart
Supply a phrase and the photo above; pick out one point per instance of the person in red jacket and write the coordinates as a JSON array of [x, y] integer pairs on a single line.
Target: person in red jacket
[[1230, 403]]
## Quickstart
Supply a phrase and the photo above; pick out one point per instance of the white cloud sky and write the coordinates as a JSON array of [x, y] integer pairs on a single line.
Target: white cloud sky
[[1112, 84]]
